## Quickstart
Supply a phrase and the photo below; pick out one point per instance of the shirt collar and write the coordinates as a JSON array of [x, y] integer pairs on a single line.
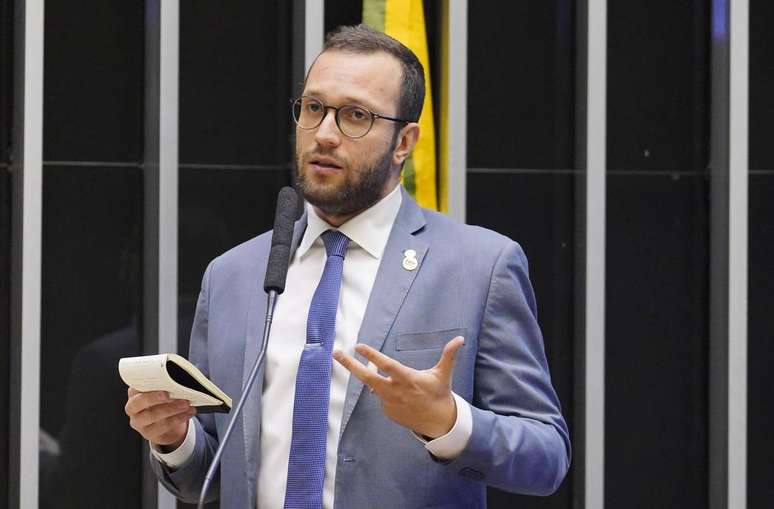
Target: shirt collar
[[370, 229]]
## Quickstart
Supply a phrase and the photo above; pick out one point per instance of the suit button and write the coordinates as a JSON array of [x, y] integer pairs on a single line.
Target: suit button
[[472, 474]]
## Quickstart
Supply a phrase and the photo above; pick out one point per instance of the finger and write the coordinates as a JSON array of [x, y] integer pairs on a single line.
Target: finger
[[373, 369], [158, 413], [389, 366], [167, 431], [446, 362], [373, 380], [144, 400], [131, 391]]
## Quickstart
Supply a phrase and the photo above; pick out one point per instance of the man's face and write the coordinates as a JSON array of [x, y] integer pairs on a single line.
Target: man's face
[[340, 175]]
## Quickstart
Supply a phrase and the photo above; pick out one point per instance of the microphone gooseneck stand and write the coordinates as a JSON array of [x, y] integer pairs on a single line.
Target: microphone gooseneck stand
[[272, 299], [274, 285]]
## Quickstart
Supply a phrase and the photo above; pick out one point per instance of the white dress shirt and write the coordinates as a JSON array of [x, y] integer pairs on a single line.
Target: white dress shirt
[[368, 233]]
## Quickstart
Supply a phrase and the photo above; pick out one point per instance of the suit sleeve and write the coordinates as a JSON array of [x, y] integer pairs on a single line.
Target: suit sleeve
[[520, 442], [185, 481]]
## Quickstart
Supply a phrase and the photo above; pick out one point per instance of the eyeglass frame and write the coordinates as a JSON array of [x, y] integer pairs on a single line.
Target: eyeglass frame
[[337, 109]]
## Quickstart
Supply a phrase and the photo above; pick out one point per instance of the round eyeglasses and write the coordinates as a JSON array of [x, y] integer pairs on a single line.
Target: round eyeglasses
[[353, 121]]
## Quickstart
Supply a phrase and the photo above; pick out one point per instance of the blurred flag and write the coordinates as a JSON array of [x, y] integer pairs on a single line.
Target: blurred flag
[[405, 21]]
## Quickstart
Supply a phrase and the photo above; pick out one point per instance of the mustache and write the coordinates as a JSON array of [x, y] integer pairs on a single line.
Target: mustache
[[311, 154]]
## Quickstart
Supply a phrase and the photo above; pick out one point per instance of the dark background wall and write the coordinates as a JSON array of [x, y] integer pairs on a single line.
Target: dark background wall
[[92, 245], [521, 177], [760, 468], [235, 129], [656, 427], [235, 132], [6, 112]]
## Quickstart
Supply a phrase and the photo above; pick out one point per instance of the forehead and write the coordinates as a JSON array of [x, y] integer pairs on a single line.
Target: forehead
[[372, 80]]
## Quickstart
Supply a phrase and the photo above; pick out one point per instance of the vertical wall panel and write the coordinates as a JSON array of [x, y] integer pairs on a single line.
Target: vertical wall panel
[[656, 393], [6, 80], [657, 85], [342, 12], [235, 65], [761, 348], [92, 241], [761, 85], [5, 327], [719, 258], [520, 181], [94, 81], [520, 85], [235, 133], [6, 112], [760, 469], [92, 251], [656, 384], [229, 179]]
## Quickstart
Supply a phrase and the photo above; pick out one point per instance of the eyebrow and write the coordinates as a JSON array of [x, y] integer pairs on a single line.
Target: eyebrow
[[347, 100]]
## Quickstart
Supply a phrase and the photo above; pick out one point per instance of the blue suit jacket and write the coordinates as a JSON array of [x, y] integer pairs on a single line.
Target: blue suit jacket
[[470, 281]]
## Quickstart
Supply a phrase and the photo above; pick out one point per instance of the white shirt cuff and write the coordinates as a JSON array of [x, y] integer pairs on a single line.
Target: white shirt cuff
[[450, 445], [183, 453]]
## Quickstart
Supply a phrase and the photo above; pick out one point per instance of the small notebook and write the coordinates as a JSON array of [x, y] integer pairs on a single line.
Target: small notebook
[[174, 374]]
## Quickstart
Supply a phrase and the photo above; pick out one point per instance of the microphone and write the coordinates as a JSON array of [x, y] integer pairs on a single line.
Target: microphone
[[282, 236], [274, 284]]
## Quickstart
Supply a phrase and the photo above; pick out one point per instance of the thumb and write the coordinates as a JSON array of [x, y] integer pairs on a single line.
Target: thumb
[[446, 362]]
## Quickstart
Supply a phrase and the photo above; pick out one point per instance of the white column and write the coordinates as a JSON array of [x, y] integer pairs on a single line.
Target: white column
[[594, 369], [169, 64], [314, 29], [737, 252], [26, 253], [455, 40], [168, 174]]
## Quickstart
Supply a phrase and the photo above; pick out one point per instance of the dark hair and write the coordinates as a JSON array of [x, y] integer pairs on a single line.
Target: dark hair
[[365, 40]]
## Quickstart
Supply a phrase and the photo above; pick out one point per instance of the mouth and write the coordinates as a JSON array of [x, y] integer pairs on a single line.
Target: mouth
[[324, 164]]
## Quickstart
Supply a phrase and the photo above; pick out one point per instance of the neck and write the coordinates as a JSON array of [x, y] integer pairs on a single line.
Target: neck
[[337, 220]]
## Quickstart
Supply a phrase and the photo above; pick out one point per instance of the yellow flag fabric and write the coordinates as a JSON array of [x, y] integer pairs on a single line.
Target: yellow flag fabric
[[405, 21]]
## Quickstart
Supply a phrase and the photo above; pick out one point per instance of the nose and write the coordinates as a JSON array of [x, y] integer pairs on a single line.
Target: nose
[[327, 133]]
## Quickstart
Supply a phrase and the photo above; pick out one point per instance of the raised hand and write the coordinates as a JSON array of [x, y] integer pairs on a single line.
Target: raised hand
[[419, 400]]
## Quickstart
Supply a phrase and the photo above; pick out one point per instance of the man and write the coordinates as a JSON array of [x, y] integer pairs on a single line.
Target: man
[[440, 385]]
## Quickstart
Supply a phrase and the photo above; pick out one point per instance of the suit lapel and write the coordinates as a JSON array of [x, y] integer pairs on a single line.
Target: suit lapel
[[390, 288], [251, 412]]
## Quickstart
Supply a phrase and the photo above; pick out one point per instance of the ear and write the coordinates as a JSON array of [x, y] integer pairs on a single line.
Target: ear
[[407, 140]]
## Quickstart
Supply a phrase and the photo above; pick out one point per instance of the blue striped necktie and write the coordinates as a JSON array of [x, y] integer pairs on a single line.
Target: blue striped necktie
[[306, 467]]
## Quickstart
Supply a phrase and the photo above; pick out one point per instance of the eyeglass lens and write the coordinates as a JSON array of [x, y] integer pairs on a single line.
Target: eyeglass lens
[[353, 121]]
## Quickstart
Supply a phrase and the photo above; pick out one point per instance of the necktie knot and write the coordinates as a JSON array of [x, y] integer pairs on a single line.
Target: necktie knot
[[335, 243]]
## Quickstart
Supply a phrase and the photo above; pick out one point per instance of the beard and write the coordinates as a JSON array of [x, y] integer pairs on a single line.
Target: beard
[[359, 190]]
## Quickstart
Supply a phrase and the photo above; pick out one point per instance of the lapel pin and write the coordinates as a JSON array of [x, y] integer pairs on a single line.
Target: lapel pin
[[410, 259]]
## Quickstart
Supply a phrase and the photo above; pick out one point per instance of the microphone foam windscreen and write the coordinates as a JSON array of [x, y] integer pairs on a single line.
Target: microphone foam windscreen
[[282, 236]]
